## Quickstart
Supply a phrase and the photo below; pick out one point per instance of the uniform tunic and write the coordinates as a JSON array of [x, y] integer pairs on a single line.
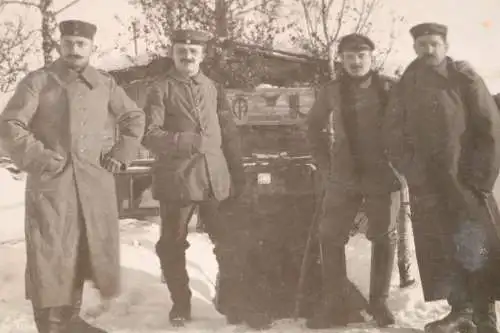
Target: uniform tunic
[[180, 104], [352, 154], [55, 109]]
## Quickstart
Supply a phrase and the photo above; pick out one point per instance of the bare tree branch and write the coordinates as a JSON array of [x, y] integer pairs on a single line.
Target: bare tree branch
[[18, 2], [71, 4]]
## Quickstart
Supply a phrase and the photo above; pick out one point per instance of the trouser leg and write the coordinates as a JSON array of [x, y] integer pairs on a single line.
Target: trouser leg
[[339, 210], [382, 211], [171, 250]]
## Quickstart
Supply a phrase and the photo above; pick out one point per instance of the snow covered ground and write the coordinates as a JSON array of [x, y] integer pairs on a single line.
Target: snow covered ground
[[144, 303]]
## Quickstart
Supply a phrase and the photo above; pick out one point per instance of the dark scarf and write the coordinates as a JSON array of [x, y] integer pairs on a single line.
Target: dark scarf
[[347, 107]]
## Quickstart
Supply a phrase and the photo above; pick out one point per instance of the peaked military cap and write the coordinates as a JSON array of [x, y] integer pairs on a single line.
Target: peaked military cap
[[77, 28], [188, 36], [355, 42], [425, 29]]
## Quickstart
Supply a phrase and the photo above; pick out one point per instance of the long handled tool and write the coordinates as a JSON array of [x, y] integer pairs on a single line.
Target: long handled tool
[[307, 255]]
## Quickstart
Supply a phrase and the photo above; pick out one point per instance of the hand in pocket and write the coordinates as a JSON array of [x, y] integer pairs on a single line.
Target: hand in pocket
[[54, 163]]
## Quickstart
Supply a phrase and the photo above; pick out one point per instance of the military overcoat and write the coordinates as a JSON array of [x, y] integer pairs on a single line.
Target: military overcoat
[[442, 131], [56, 110]]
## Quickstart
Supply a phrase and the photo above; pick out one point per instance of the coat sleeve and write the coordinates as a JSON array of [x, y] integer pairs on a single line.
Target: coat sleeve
[[484, 118], [130, 120], [157, 139], [26, 151], [396, 142], [318, 131], [231, 142]]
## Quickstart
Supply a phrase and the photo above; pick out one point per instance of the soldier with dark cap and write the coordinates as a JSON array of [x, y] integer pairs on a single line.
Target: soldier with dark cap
[[191, 130], [442, 132], [54, 129], [346, 138]]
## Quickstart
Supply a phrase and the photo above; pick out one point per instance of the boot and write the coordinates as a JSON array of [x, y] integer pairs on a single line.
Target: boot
[[382, 263], [76, 322], [458, 320], [51, 320], [332, 312], [485, 317], [173, 267], [405, 279], [180, 314], [484, 312]]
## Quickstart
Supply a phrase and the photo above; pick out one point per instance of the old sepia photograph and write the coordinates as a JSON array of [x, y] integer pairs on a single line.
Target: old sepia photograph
[[276, 166]]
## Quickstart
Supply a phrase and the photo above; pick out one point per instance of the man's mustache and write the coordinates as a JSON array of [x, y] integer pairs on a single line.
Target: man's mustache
[[188, 60], [74, 56]]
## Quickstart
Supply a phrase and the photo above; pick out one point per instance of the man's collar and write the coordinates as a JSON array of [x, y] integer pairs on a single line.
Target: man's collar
[[198, 78], [441, 69], [67, 75]]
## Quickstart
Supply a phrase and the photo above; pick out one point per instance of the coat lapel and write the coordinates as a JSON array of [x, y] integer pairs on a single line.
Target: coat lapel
[[191, 112]]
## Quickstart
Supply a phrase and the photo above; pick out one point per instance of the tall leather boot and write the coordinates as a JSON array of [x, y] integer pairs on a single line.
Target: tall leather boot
[[173, 267], [382, 263], [333, 310], [460, 318], [483, 304], [485, 317], [51, 320], [76, 322]]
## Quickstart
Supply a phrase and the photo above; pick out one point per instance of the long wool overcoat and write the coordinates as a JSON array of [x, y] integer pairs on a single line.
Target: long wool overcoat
[[442, 132], [54, 109]]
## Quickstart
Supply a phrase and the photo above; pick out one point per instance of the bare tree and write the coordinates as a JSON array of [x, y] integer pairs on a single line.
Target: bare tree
[[48, 25], [15, 46], [252, 21], [325, 21]]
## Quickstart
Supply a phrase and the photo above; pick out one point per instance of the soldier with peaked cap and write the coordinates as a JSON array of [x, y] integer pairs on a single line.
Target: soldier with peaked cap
[[344, 131], [442, 132], [191, 130], [54, 129]]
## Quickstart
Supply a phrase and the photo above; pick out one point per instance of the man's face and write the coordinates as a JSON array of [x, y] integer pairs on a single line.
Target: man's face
[[431, 49], [76, 51], [188, 57], [357, 63]]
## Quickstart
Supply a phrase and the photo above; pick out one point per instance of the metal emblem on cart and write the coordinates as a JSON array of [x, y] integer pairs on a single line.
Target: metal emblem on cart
[[264, 178]]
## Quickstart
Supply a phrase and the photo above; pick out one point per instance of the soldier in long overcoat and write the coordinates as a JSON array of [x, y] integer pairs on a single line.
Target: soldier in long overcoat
[[198, 164], [345, 133], [56, 128], [443, 133]]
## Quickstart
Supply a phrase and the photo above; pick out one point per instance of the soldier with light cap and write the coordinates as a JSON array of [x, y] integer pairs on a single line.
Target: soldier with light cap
[[190, 129], [346, 138]]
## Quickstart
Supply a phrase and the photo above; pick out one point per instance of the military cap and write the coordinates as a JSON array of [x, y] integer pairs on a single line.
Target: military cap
[[355, 42], [77, 28], [188, 36], [425, 29]]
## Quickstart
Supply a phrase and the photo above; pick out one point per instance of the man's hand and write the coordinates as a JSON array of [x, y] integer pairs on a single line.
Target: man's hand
[[54, 162], [188, 142], [110, 164]]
